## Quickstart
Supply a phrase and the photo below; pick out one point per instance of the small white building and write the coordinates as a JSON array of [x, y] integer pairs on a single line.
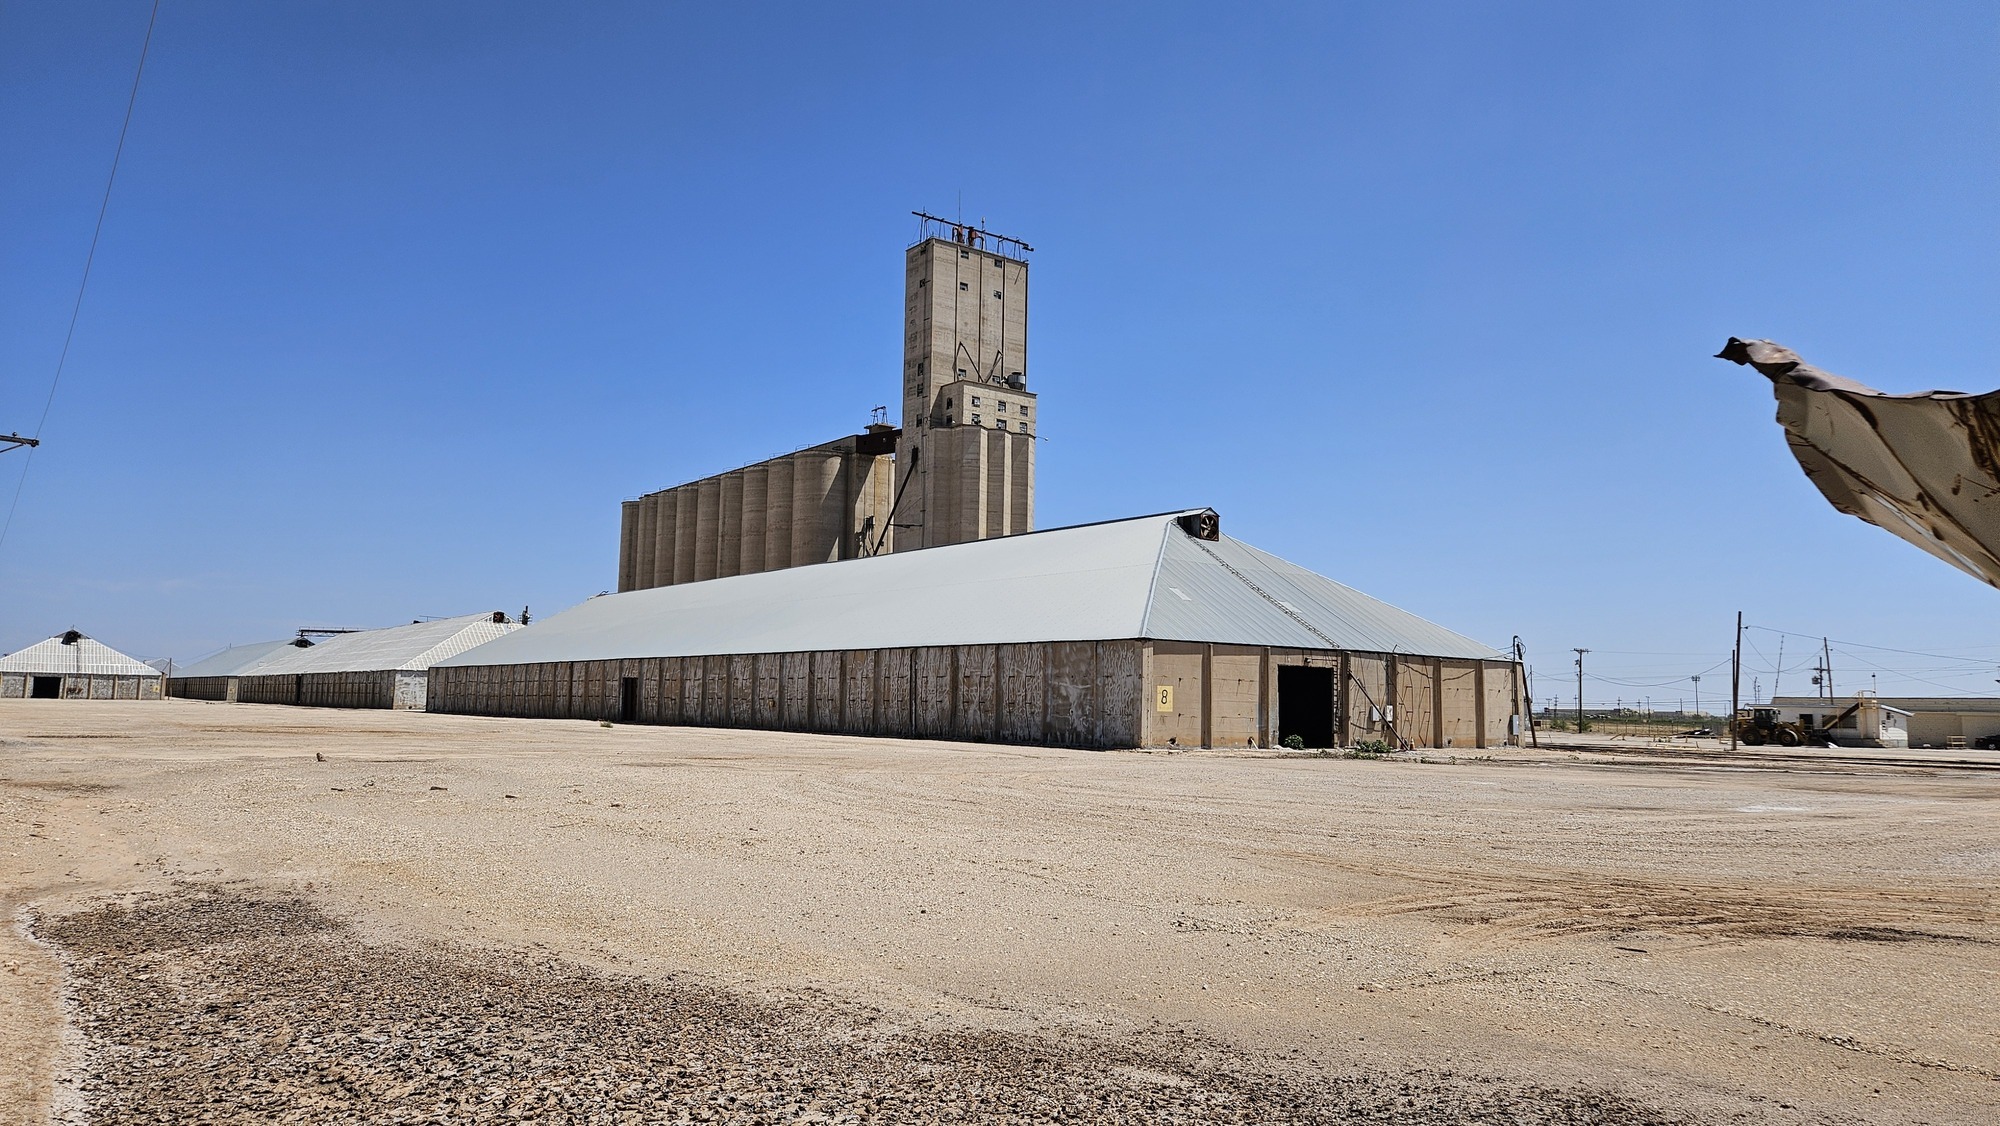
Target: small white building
[[1860, 721], [72, 666]]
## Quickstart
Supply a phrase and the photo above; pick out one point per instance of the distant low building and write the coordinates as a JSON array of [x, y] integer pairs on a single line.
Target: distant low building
[[1858, 721], [218, 676], [73, 666], [376, 668], [1934, 721]]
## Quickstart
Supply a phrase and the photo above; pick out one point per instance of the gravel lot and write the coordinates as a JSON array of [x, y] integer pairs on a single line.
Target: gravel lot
[[255, 913], [213, 1002]]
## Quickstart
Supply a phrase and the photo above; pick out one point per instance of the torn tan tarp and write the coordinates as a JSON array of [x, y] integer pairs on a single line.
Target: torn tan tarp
[[1924, 466]]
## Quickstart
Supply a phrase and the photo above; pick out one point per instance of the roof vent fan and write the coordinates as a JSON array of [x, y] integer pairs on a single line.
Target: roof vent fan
[[1203, 525]]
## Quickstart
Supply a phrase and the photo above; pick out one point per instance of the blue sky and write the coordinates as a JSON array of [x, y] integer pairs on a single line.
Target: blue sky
[[394, 303]]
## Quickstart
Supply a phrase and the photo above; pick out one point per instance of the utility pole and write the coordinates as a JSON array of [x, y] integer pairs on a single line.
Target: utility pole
[[1735, 680], [1697, 693], [1527, 688], [1826, 658], [15, 442], [1579, 690]]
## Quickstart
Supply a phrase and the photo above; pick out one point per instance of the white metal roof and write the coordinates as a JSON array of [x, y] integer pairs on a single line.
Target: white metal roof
[[1137, 578], [236, 660], [416, 646], [83, 656]]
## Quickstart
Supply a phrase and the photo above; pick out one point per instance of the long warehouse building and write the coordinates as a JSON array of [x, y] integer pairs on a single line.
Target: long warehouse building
[[1153, 631], [374, 668]]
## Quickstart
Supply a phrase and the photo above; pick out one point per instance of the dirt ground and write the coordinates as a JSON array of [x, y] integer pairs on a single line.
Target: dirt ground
[[233, 912]]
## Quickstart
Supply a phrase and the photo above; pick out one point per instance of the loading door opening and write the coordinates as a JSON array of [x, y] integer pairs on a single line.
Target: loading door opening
[[46, 688], [1305, 705], [628, 700]]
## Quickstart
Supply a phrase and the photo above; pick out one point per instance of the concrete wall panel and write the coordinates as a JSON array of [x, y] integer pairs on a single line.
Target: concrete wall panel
[[1023, 672], [858, 716], [1175, 666], [797, 702], [1072, 687], [933, 698], [742, 689], [1119, 693], [1237, 695], [895, 692], [1460, 693], [975, 716], [828, 691]]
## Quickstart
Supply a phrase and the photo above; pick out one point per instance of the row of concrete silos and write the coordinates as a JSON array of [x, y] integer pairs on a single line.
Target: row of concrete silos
[[813, 506]]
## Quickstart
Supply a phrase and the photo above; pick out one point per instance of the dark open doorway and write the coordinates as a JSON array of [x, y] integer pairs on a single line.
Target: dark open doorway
[[1305, 705], [45, 688], [628, 700]]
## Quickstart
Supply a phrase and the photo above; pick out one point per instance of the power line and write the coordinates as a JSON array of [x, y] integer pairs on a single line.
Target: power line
[[90, 258]]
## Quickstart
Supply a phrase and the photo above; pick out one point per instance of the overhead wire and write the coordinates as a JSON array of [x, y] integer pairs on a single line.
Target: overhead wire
[[89, 259]]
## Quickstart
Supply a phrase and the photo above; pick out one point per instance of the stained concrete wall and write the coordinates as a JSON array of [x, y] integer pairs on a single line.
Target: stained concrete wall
[[83, 686], [1083, 694], [1086, 694], [1226, 696], [384, 689], [819, 505]]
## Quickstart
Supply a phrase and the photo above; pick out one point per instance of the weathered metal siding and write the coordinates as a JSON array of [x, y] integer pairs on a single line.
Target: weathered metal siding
[[826, 692]]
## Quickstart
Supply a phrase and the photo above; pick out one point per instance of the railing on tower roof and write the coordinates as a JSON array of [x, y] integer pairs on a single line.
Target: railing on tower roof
[[968, 234]]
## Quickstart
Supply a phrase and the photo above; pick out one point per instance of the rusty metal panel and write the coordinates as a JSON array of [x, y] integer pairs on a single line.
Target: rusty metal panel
[[974, 717], [1924, 467], [893, 710], [933, 678], [798, 692], [1024, 674], [742, 689], [770, 686], [859, 689], [1118, 693], [827, 691], [1072, 679]]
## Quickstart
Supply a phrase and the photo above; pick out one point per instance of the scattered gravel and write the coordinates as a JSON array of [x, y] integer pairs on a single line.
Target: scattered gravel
[[217, 1004]]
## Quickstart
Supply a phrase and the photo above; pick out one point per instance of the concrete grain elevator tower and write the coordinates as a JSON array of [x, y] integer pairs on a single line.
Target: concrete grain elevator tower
[[966, 458]]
